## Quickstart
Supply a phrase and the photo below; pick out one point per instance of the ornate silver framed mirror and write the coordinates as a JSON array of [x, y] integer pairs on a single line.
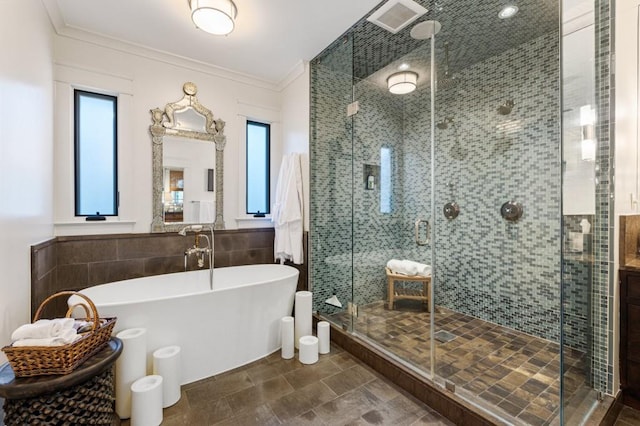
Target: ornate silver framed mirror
[[188, 164]]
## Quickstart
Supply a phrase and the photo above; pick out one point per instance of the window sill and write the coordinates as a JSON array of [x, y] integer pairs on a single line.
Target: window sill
[[81, 227], [254, 222]]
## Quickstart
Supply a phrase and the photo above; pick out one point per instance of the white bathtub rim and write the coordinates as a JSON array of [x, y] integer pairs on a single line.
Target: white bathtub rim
[[75, 299]]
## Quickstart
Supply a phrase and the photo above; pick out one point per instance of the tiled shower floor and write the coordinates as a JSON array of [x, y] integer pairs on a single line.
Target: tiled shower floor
[[514, 371]]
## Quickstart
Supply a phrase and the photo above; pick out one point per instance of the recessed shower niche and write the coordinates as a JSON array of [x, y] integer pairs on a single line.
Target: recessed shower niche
[[371, 176]]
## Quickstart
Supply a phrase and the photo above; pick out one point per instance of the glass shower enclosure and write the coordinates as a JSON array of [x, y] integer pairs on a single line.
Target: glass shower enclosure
[[485, 173]]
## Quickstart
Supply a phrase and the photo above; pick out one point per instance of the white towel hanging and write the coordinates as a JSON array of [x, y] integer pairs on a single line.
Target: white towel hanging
[[287, 211]]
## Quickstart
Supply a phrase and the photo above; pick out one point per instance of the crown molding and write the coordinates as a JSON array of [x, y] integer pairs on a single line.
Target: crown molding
[[295, 72]]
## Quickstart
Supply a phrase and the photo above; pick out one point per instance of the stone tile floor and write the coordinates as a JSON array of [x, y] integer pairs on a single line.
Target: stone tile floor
[[512, 373], [337, 390], [628, 417]]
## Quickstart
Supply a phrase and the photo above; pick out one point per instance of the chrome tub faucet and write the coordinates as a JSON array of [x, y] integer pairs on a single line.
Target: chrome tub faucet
[[197, 249]]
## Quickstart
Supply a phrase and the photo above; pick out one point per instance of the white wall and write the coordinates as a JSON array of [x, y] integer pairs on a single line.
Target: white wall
[[26, 152], [295, 127], [626, 118], [153, 79], [627, 178]]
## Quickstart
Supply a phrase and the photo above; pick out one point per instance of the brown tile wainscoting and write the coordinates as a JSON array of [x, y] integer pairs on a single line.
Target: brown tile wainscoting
[[77, 262]]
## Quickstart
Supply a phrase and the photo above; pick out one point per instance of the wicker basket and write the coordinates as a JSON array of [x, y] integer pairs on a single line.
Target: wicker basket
[[40, 360]]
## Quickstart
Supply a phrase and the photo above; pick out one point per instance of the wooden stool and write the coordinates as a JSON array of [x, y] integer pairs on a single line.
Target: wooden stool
[[404, 293]]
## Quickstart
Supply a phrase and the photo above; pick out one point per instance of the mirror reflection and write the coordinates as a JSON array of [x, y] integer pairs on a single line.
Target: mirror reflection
[[188, 196], [173, 195]]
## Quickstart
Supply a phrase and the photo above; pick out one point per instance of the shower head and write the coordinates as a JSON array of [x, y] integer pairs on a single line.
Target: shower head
[[505, 108], [447, 81], [425, 30]]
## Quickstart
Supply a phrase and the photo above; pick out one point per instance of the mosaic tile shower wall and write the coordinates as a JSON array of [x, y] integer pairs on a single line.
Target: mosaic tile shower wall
[[504, 272]]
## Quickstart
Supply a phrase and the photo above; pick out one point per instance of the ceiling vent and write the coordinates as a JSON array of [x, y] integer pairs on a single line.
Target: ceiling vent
[[394, 15]]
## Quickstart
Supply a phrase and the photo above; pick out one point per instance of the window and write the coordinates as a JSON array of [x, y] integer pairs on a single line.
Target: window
[[385, 180], [95, 154], [258, 146]]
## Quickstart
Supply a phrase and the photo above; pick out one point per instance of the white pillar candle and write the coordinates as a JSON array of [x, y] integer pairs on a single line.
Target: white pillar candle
[[146, 401], [324, 337], [287, 333], [308, 353], [166, 363], [303, 325], [130, 366]]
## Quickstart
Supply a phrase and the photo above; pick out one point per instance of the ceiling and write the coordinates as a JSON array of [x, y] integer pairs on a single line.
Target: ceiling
[[269, 40]]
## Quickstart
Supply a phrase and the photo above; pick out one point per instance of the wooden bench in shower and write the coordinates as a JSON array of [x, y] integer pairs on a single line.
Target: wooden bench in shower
[[397, 293]]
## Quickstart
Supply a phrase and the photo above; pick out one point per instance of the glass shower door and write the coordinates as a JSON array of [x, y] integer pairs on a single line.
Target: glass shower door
[[330, 183], [582, 332]]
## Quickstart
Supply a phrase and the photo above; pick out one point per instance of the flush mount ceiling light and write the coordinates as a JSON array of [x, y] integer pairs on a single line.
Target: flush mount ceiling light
[[214, 16], [508, 11], [402, 82]]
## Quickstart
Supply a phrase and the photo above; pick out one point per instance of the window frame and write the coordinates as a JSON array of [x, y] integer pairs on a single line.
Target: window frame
[[267, 126], [77, 94]]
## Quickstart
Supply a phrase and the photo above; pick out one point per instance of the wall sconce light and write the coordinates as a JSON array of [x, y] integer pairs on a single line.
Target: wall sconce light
[[402, 82], [588, 133], [214, 16]]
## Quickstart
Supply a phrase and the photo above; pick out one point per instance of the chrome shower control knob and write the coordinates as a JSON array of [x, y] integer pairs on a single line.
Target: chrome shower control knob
[[511, 211], [451, 210]]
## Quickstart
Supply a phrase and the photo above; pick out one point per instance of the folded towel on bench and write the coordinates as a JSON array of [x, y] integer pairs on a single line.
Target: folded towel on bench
[[408, 267]]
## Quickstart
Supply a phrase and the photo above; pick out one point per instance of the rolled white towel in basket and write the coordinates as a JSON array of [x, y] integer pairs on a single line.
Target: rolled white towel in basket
[[43, 329], [408, 267], [66, 337]]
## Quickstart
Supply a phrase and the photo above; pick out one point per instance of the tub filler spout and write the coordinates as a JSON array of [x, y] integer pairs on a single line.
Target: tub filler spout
[[201, 252]]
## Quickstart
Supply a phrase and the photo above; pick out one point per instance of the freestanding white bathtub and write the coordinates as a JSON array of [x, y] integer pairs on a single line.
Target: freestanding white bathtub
[[235, 323]]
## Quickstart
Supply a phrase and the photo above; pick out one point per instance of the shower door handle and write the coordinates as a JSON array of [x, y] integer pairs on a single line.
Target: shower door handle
[[417, 232]]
